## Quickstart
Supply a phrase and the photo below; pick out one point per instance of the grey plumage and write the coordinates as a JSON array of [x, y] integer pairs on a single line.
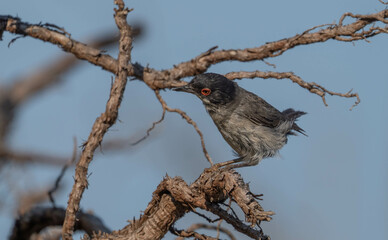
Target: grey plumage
[[250, 125]]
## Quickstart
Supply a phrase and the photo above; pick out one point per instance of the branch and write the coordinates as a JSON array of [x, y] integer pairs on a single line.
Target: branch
[[154, 123], [61, 39], [311, 87], [189, 121], [40, 218], [171, 77], [34, 82], [189, 233], [102, 123], [206, 226], [173, 198], [19, 157], [202, 62]]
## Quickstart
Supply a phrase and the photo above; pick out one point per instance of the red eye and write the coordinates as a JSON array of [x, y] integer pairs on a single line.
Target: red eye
[[206, 91]]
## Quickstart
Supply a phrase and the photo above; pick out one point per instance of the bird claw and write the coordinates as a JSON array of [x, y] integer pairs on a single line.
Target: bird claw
[[215, 167]]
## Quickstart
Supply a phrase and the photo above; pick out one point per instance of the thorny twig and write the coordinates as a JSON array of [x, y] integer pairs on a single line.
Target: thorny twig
[[189, 121], [154, 123], [103, 122], [209, 227], [310, 86], [172, 77], [188, 234]]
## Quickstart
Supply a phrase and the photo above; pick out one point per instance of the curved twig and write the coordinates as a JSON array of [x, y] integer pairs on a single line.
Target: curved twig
[[310, 86], [189, 121]]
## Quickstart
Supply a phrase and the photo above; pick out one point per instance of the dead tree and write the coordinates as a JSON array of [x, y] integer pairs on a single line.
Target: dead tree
[[173, 197]]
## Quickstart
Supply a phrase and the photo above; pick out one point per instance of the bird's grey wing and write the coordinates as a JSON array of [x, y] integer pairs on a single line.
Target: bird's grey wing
[[259, 112]]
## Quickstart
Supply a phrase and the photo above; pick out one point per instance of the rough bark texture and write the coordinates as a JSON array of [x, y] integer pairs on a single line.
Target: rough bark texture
[[102, 123], [173, 197]]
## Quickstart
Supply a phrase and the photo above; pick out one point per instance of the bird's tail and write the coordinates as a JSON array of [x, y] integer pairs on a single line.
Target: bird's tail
[[293, 115]]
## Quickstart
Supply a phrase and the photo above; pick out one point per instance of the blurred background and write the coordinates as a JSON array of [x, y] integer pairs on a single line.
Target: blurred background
[[332, 183]]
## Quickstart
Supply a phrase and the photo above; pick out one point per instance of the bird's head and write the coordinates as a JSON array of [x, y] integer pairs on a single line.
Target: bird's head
[[211, 88]]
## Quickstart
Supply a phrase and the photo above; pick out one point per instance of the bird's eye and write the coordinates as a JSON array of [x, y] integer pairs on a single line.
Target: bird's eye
[[206, 91]]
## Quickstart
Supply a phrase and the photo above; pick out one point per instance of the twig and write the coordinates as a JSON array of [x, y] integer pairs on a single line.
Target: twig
[[311, 87], [31, 83], [189, 121], [40, 218], [103, 122], [220, 222], [154, 123], [171, 77], [230, 208], [64, 168], [204, 216], [200, 64], [368, 18], [237, 224], [209, 227], [189, 233], [20, 157]]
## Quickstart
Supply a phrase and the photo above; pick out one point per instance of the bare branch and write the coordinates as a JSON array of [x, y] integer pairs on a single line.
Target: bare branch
[[189, 121], [209, 227], [30, 157], [189, 233], [237, 224], [39, 218], [31, 83], [173, 198], [80, 50], [272, 49], [102, 123], [170, 77], [311, 87], [154, 123]]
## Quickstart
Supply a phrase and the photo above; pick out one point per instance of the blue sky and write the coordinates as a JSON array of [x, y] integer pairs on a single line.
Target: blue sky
[[333, 182]]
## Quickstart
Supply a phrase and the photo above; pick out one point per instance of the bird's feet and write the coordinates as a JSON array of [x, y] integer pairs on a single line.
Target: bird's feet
[[213, 168], [223, 165]]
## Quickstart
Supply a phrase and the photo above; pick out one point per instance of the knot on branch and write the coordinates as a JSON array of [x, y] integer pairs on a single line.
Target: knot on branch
[[160, 80]]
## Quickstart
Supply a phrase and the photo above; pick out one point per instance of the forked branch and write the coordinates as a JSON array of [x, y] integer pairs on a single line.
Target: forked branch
[[173, 198], [169, 78]]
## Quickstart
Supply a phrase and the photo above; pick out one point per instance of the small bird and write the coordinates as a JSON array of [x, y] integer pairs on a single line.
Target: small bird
[[250, 125]]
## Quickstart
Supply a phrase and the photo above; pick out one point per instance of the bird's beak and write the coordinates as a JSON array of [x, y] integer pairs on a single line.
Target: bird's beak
[[185, 88]]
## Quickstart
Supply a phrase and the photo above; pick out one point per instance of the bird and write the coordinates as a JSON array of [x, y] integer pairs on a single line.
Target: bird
[[252, 127]]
